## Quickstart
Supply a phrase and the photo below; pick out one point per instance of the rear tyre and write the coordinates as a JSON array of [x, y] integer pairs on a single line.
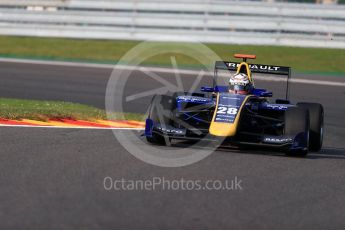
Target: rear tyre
[[297, 123], [161, 112], [316, 114]]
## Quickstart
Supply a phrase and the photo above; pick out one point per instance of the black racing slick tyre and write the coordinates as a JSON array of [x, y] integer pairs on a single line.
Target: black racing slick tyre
[[161, 111], [316, 114], [156, 139], [296, 122]]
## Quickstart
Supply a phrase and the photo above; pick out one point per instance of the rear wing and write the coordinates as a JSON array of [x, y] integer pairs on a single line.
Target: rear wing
[[257, 68]]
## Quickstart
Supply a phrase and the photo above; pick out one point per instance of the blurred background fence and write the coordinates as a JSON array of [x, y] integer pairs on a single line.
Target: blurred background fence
[[214, 21]]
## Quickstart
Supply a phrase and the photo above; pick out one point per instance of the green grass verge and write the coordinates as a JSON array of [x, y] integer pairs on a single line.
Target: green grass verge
[[300, 59], [17, 109]]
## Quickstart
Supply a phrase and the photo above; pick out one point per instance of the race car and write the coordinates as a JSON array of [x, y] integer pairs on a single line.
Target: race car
[[237, 113]]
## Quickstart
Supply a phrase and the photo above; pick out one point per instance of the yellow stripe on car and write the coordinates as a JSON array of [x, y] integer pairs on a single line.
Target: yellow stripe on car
[[222, 129]]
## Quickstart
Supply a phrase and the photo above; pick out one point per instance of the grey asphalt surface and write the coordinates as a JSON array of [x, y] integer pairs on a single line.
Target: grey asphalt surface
[[53, 179]]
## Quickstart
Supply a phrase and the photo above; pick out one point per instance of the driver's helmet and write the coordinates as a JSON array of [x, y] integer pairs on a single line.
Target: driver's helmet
[[240, 84]]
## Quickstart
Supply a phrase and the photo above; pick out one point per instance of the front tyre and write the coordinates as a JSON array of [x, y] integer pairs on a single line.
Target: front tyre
[[156, 139], [161, 112]]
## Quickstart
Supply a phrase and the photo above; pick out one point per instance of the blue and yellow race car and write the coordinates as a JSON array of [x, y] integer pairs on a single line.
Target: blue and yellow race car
[[237, 113]]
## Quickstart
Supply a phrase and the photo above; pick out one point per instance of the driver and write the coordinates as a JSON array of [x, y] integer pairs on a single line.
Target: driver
[[240, 84]]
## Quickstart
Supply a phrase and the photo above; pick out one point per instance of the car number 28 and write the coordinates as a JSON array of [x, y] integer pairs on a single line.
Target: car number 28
[[226, 110]]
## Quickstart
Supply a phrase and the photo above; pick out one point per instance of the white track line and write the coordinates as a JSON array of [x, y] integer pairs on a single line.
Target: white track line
[[64, 127], [300, 80], [159, 70], [97, 65]]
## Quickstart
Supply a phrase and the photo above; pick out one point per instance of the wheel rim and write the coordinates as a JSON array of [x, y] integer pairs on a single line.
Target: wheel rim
[[308, 138], [321, 132]]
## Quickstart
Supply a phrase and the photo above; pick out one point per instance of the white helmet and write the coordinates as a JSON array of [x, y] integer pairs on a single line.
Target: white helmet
[[240, 84]]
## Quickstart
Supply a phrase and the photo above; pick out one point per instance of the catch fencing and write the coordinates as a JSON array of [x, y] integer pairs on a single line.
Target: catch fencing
[[208, 21]]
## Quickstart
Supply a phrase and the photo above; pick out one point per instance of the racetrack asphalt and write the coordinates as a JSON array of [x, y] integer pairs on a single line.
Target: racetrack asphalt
[[53, 179]]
